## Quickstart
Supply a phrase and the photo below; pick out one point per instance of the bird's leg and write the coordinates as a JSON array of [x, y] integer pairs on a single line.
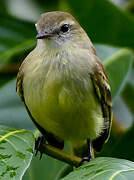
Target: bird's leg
[[89, 157], [89, 150], [42, 146], [39, 144]]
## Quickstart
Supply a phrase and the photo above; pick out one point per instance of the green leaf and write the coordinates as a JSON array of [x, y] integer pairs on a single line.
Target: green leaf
[[104, 169], [64, 171], [104, 22], [16, 40], [16, 150], [48, 5], [5, 78], [13, 33], [46, 168], [105, 51], [3, 8], [124, 148], [12, 109], [128, 96], [117, 68]]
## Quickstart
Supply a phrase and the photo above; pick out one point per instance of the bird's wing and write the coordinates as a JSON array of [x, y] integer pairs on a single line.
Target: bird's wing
[[103, 93], [19, 83]]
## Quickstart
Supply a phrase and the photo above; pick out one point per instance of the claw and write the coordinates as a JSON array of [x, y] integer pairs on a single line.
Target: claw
[[40, 141], [85, 159], [40, 155]]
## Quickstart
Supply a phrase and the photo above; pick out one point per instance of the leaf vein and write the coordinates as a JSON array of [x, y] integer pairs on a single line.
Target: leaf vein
[[118, 172], [100, 173], [11, 133]]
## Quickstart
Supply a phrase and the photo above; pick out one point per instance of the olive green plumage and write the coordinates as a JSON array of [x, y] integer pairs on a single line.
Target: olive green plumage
[[63, 84]]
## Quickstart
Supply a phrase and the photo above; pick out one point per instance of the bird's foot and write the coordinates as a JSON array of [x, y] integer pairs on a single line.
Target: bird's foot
[[85, 159], [39, 144]]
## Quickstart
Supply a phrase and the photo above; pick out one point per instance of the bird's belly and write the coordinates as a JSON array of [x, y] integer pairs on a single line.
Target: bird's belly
[[65, 111]]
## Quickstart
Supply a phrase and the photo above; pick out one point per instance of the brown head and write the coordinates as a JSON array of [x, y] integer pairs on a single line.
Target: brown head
[[61, 27]]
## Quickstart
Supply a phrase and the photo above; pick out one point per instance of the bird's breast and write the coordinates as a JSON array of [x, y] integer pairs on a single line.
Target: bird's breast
[[60, 96]]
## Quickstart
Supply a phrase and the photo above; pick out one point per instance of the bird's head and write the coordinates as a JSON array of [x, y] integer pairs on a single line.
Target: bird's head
[[59, 28]]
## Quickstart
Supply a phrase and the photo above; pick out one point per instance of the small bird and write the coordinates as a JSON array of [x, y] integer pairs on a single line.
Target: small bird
[[64, 86]]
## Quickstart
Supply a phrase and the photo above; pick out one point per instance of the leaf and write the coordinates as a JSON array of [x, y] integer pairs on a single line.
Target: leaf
[[48, 5], [5, 78], [3, 6], [16, 40], [13, 32], [64, 171], [16, 150], [104, 169], [104, 22], [46, 168], [128, 96], [117, 68], [12, 110], [124, 148], [105, 51]]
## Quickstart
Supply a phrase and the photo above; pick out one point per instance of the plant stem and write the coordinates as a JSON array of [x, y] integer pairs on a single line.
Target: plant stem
[[61, 155]]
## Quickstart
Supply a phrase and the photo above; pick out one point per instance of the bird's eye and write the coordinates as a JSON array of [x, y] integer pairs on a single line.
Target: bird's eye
[[64, 28]]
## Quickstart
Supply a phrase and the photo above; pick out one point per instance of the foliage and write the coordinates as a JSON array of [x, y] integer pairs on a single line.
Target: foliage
[[104, 169], [106, 25], [16, 149]]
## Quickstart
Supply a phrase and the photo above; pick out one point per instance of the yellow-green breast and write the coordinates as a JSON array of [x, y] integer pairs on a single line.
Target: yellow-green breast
[[59, 94]]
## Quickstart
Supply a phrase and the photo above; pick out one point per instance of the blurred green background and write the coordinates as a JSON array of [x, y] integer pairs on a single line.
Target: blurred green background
[[110, 25]]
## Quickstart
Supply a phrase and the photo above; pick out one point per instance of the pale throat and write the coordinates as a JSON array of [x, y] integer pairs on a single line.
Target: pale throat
[[55, 44]]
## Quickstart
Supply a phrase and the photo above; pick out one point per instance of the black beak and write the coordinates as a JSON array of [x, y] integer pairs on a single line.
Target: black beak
[[43, 34]]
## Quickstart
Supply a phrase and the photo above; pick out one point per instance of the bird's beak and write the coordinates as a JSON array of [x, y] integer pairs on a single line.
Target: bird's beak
[[43, 34]]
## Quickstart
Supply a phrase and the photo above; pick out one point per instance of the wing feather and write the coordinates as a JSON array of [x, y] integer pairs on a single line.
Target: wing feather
[[103, 93], [19, 87]]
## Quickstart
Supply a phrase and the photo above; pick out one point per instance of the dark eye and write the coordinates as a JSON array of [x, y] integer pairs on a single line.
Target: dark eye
[[64, 28]]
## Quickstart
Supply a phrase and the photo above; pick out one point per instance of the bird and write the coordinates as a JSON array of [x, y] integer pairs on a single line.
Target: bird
[[64, 86]]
